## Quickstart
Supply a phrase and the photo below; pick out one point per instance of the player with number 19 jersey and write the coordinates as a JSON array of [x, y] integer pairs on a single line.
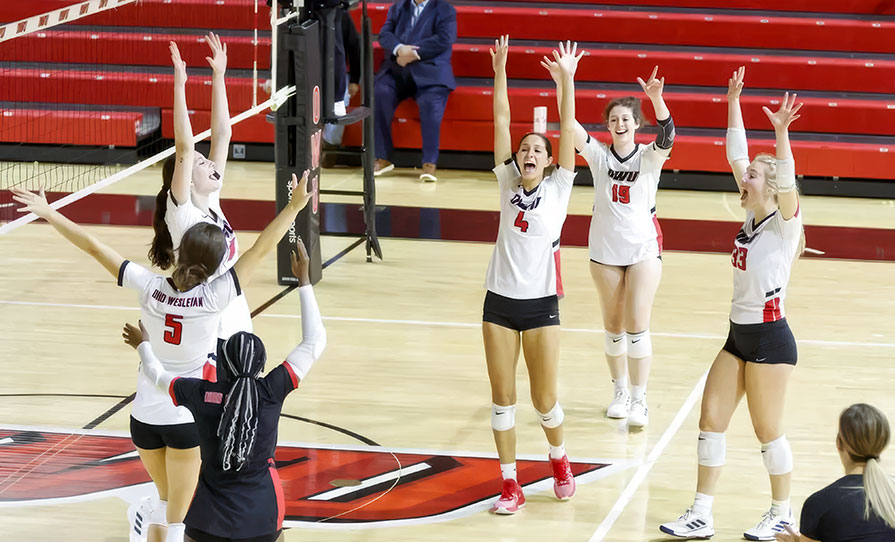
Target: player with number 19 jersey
[[624, 229], [525, 261], [182, 328]]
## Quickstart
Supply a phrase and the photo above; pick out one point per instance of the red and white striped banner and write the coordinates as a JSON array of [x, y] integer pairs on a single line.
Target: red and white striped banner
[[59, 16]]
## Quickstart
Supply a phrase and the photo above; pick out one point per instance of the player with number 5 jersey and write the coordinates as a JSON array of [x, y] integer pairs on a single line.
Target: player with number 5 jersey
[[625, 239], [183, 311], [521, 305]]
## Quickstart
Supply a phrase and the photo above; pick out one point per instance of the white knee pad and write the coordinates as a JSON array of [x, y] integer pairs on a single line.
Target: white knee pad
[[553, 418], [711, 449], [503, 418], [640, 345], [159, 514], [777, 456], [615, 343]]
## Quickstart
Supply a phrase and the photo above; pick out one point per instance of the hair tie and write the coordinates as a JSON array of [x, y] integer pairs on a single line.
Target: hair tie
[[869, 457]]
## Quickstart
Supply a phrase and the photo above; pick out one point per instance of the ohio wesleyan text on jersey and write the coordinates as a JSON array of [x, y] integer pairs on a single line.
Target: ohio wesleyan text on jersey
[[524, 262]]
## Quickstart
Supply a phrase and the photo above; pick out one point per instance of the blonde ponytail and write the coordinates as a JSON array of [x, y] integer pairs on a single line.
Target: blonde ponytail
[[879, 492]]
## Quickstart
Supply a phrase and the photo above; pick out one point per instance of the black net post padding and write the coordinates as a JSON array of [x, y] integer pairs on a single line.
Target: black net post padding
[[372, 244], [299, 131]]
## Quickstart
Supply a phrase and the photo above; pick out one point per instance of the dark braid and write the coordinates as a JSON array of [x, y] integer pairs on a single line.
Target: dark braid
[[243, 359]]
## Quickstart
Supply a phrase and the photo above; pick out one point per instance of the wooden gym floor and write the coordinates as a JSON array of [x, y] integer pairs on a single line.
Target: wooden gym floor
[[404, 368]]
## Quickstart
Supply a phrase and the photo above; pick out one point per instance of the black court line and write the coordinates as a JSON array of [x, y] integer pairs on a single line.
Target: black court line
[[109, 413], [267, 304], [352, 434]]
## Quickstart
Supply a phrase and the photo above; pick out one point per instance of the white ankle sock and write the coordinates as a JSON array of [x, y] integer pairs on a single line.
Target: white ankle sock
[[508, 470], [558, 452], [702, 504], [621, 382], [780, 508], [175, 532], [637, 392]]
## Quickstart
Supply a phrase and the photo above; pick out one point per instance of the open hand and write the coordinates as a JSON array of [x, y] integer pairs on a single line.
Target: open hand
[[568, 56], [179, 64], [653, 87], [218, 58], [499, 53], [301, 263], [555, 71], [735, 83], [31, 202], [300, 194], [783, 117]]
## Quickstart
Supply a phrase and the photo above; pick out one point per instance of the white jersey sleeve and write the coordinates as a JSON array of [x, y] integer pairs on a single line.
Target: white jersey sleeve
[[594, 152], [507, 173], [180, 218], [136, 277]]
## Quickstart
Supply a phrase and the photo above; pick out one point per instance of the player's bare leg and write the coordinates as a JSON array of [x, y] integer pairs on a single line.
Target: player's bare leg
[[183, 474], [155, 464], [610, 283], [641, 282], [766, 395], [541, 349], [502, 356]]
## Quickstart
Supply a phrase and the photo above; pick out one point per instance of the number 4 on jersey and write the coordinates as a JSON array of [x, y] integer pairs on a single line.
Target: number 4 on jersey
[[520, 222]]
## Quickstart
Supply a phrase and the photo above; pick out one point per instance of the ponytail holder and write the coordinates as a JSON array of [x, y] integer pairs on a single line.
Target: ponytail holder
[[869, 457]]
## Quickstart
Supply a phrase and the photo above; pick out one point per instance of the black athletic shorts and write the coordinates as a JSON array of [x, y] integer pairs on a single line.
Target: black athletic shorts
[[202, 536], [182, 436], [769, 342], [521, 314]]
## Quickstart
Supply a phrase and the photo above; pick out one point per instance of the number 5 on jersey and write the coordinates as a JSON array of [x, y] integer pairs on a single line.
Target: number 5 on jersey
[[173, 335], [520, 222]]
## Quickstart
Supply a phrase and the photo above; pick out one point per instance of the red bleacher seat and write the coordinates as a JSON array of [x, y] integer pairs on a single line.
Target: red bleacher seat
[[69, 127], [754, 30], [866, 7], [254, 129]]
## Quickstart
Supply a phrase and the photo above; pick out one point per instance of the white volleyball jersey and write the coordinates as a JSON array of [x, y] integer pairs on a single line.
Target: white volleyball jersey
[[762, 260], [525, 261], [182, 328], [624, 229], [179, 218]]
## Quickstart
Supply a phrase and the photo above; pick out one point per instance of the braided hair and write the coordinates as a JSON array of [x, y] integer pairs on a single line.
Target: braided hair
[[243, 360]]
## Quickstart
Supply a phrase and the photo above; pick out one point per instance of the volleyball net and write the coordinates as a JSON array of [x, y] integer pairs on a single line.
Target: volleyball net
[[86, 88]]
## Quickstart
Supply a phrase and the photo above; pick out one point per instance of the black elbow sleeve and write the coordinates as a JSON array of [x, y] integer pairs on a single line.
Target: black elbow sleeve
[[665, 137]]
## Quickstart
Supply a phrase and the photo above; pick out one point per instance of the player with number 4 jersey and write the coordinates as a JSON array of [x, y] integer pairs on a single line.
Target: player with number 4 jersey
[[521, 306]]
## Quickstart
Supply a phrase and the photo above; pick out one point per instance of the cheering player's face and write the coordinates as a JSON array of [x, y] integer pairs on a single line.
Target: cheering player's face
[[206, 178], [622, 124], [532, 157], [755, 192]]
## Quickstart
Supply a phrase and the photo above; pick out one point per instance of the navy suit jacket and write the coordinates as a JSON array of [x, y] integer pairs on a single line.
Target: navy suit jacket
[[434, 33]]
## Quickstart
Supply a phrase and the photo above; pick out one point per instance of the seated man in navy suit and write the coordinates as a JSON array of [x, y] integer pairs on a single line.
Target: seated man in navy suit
[[417, 37]]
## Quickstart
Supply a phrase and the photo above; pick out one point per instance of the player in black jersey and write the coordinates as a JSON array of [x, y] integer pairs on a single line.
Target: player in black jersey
[[239, 496]]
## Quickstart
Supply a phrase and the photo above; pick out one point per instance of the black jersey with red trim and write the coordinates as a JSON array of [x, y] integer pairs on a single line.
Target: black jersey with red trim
[[248, 502]]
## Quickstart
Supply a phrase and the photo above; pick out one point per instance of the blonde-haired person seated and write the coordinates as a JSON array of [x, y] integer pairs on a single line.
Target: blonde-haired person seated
[[861, 504]]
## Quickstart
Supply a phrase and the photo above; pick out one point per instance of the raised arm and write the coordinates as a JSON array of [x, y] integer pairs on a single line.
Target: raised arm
[[503, 145], [75, 234], [313, 334], [787, 195], [271, 235], [183, 132], [567, 58], [221, 130], [653, 88], [737, 146], [551, 66]]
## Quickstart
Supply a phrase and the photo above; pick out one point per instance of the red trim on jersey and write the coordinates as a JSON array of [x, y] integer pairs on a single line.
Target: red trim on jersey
[[278, 489], [556, 262], [771, 311], [798, 208], [209, 372], [171, 390], [292, 374], [658, 232]]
